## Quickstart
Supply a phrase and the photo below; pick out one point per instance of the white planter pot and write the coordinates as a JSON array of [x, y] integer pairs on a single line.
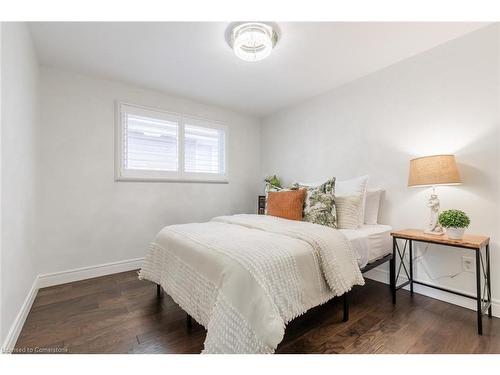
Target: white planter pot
[[455, 233]]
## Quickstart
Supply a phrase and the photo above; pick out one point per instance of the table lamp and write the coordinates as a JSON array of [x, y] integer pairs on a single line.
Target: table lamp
[[431, 171]]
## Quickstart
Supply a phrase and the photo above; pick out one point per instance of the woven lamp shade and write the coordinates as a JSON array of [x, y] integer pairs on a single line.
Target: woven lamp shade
[[434, 170]]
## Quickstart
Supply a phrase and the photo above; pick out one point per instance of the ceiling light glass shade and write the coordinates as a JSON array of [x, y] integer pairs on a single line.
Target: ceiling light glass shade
[[253, 41]]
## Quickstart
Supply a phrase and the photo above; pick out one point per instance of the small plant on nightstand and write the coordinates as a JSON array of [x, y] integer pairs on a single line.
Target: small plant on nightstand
[[455, 222], [273, 181]]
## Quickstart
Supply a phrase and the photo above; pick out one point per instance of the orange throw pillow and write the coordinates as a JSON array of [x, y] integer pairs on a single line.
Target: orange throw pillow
[[286, 204]]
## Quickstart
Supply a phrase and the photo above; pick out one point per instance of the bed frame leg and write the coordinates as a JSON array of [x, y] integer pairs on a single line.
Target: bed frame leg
[[189, 321], [158, 290], [346, 307], [392, 277]]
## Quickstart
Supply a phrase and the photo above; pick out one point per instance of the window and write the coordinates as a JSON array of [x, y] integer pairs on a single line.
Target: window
[[203, 149], [156, 145]]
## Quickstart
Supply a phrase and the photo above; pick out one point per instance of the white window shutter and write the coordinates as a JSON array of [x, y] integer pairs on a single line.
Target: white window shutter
[[150, 144], [204, 149]]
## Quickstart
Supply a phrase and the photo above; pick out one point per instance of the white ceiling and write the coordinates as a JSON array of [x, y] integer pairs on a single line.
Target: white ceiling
[[192, 59]]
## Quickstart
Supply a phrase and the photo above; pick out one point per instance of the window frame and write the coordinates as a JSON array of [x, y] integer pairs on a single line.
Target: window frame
[[122, 174]]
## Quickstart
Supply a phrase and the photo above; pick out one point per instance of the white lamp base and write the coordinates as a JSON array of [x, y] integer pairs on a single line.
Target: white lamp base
[[434, 228]]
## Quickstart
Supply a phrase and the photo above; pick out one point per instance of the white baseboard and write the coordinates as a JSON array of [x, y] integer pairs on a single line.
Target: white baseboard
[[63, 277], [17, 325], [77, 274], [383, 276]]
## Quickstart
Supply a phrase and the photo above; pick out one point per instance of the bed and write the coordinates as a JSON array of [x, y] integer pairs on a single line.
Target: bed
[[244, 277], [371, 242]]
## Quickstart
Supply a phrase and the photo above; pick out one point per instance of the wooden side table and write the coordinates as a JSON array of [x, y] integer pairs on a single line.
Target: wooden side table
[[477, 244]]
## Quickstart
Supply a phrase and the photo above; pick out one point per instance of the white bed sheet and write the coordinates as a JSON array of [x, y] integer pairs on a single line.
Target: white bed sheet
[[370, 242]]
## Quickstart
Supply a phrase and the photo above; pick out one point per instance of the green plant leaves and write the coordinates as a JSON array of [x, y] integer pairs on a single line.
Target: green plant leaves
[[454, 219], [273, 181]]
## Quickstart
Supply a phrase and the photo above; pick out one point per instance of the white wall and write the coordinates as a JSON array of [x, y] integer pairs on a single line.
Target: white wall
[[445, 100], [18, 156], [86, 218]]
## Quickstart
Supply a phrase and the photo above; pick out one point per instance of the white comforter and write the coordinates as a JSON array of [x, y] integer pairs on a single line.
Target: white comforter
[[244, 277]]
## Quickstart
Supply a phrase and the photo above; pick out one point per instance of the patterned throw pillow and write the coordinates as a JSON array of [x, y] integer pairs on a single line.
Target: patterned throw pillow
[[319, 204], [349, 210]]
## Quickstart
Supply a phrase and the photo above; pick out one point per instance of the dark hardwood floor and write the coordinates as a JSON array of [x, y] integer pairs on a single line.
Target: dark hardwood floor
[[121, 314]]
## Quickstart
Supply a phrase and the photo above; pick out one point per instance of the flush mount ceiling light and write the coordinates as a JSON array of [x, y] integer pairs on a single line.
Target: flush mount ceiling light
[[252, 41]]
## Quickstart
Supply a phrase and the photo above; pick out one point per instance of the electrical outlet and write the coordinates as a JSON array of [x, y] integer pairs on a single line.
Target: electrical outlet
[[468, 264]]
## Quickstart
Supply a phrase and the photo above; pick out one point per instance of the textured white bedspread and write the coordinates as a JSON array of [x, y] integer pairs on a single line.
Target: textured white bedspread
[[244, 277]]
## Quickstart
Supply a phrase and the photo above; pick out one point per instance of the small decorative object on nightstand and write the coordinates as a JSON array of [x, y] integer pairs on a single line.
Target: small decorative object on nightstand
[[431, 171], [273, 181], [455, 222], [477, 244]]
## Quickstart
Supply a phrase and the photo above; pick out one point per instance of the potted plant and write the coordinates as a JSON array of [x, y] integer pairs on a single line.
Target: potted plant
[[273, 182], [455, 222]]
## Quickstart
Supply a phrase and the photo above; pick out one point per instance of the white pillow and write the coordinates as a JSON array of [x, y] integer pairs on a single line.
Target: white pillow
[[372, 205], [354, 186], [349, 211]]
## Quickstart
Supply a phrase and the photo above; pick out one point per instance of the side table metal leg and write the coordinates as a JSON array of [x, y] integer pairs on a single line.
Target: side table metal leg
[[392, 271], [411, 266], [478, 295], [488, 275]]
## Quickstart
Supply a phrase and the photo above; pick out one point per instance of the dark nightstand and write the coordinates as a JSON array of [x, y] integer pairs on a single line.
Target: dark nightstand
[[477, 244], [261, 205]]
